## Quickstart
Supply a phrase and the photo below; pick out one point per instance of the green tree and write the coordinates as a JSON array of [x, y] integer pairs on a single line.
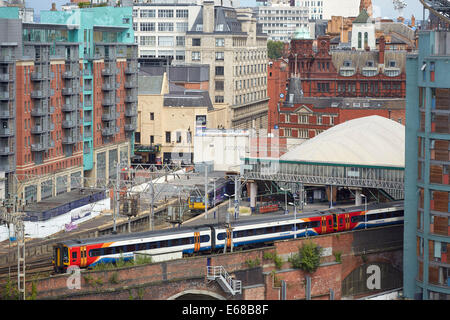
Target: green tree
[[308, 257], [274, 49]]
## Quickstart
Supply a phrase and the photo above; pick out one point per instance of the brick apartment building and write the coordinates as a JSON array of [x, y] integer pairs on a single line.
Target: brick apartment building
[[69, 99]]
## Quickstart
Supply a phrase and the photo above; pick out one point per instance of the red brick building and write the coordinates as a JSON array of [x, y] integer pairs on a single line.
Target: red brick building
[[328, 87], [277, 77]]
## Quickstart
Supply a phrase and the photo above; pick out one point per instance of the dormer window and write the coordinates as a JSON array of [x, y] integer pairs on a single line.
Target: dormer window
[[369, 63], [392, 63]]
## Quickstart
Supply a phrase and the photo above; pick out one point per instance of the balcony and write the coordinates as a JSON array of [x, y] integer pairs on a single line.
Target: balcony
[[38, 129], [67, 124], [108, 72], [130, 84], [39, 111], [68, 107], [107, 87], [69, 75], [6, 132], [38, 94], [5, 77], [108, 132], [131, 112], [130, 127], [38, 76], [131, 98], [108, 102], [4, 95], [6, 114], [6, 151], [109, 116], [38, 147], [69, 140], [69, 91]]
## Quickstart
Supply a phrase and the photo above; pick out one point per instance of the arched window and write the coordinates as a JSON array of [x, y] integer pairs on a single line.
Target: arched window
[[359, 40], [366, 39]]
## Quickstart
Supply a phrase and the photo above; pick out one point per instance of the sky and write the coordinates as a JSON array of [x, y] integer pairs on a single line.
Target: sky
[[382, 8]]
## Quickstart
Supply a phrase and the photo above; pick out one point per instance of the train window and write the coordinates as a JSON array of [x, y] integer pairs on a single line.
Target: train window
[[108, 251], [287, 227], [301, 226], [221, 236], [74, 255], [130, 248], [163, 244], [185, 241], [356, 219], [153, 245], [141, 246], [94, 252], [313, 224], [204, 238], [259, 231]]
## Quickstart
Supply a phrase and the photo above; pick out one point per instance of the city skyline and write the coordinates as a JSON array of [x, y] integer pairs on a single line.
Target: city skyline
[[382, 8]]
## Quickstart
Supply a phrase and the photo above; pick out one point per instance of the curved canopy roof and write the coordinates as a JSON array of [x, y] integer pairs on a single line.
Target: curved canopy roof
[[367, 141]]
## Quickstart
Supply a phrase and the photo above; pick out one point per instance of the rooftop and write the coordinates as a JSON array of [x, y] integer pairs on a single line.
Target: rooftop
[[368, 141]]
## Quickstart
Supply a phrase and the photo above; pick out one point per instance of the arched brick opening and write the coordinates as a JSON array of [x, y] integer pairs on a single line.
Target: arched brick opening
[[197, 295]]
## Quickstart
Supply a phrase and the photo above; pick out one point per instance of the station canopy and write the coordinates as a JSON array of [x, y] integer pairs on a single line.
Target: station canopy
[[372, 141]]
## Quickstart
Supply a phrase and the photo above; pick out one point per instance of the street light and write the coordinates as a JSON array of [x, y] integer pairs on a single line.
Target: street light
[[285, 199], [295, 219], [229, 206], [365, 210]]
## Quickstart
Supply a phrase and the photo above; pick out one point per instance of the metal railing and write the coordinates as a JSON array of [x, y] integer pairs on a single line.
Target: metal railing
[[225, 280]]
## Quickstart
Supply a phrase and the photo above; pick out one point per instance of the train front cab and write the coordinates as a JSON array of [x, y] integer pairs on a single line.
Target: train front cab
[[60, 258]]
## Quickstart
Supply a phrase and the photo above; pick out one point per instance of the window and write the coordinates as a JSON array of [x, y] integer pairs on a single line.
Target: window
[[220, 56], [152, 139], [180, 41], [218, 99], [147, 13], [182, 13], [219, 85], [195, 55], [164, 13], [148, 40], [165, 41], [152, 116], [165, 26], [182, 26], [147, 26], [168, 140], [196, 42], [319, 119], [220, 42], [178, 136], [219, 71]]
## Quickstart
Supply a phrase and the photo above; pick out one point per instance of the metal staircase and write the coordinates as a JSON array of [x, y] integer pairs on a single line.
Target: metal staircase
[[227, 283]]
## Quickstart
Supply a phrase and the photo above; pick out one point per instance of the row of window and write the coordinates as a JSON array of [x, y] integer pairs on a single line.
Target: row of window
[[249, 83], [162, 13], [143, 246], [304, 119], [251, 96], [250, 69]]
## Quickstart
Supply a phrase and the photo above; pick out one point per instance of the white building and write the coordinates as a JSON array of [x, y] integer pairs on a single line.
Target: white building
[[160, 29], [279, 21]]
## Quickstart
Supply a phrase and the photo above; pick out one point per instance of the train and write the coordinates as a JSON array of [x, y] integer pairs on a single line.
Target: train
[[196, 199], [213, 237]]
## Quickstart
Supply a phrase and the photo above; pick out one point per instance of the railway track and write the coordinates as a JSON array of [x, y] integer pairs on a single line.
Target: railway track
[[42, 265]]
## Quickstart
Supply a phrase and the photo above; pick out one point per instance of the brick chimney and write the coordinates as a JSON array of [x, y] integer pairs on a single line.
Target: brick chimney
[[382, 47]]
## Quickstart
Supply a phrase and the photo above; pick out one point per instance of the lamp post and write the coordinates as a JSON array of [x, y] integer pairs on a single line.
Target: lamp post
[[365, 210], [285, 199], [229, 206], [295, 218]]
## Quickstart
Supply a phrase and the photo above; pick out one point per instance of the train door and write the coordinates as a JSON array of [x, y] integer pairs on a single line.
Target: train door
[[347, 221], [74, 256], [327, 224], [338, 222], [83, 256], [196, 241], [57, 258]]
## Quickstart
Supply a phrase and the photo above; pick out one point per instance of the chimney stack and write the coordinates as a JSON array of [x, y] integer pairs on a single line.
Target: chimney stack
[[382, 47], [208, 16]]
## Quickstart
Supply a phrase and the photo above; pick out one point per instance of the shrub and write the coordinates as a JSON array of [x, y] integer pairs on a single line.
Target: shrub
[[308, 257]]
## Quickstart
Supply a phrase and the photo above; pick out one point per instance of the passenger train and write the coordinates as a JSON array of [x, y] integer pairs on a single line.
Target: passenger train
[[197, 198], [209, 238]]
